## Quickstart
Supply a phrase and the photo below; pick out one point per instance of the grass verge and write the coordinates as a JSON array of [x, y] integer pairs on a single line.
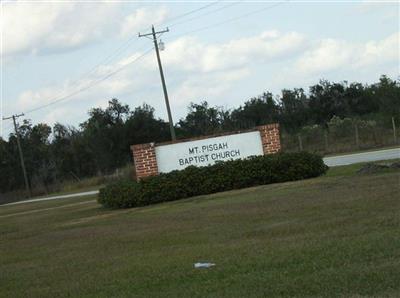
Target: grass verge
[[331, 236]]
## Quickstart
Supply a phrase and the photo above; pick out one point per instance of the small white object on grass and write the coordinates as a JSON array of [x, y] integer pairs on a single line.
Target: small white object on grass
[[203, 265]]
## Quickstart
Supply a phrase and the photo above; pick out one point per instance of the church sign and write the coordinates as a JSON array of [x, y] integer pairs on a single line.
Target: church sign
[[207, 151], [151, 159]]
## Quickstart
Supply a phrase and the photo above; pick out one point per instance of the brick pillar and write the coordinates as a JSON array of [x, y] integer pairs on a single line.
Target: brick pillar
[[270, 138], [144, 158]]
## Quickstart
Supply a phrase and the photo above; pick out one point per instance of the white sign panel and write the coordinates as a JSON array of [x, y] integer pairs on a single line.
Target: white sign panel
[[208, 151]]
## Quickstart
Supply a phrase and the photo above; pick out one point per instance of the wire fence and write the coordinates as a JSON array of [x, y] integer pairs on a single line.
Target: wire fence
[[342, 135]]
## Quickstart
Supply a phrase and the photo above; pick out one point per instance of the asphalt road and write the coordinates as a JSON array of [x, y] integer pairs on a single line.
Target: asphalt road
[[332, 161], [348, 159], [72, 195]]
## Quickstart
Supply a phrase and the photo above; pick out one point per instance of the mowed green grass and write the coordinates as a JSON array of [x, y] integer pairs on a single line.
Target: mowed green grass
[[333, 236]]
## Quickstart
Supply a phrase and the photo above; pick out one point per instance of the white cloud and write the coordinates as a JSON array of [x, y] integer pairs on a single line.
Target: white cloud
[[212, 69], [206, 86], [100, 90], [333, 54], [194, 69], [197, 71], [190, 54], [30, 99], [383, 12], [39, 28], [57, 115], [326, 55], [366, 7], [140, 19], [381, 51]]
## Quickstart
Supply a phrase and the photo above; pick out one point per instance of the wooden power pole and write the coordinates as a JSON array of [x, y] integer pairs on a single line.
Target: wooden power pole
[[21, 155], [154, 35]]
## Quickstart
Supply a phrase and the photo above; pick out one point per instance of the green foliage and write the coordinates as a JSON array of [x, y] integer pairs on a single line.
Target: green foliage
[[340, 127], [295, 110], [192, 181], [204, 120], [256, 111], [99, 147], [123, 194], [324, 116]]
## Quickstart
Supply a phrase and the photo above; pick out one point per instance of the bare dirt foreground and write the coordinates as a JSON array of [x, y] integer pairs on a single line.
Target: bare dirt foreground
[[332, 236]]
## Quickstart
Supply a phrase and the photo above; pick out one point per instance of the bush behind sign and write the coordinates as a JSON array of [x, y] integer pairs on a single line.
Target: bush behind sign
[[223, 176]]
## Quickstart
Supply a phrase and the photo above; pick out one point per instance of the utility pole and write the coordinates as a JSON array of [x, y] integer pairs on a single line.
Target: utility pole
[[21, 156], [394, 131], [154, 35]]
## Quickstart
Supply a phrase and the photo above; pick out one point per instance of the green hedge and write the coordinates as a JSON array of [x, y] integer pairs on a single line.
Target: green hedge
[[222, 176]]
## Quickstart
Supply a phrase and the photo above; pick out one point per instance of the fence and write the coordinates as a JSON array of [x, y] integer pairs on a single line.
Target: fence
[[342, 135]]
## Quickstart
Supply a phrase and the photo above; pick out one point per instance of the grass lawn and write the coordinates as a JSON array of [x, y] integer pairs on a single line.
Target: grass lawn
[[333, 236]]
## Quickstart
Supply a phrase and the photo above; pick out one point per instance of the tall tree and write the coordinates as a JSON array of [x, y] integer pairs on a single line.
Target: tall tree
[[257, 111], [294, 109], [203, 120], [327, 100], [142, 127], [104, 131]]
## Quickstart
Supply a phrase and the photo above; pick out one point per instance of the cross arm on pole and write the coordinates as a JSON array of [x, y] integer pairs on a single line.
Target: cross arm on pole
[[16, 116], [151, 33]]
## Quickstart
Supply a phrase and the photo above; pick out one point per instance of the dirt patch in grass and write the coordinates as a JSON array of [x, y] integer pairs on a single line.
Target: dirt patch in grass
[[373, 168]]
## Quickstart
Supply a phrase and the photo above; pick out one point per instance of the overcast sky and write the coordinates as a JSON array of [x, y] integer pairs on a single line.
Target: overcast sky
[[90, 52]]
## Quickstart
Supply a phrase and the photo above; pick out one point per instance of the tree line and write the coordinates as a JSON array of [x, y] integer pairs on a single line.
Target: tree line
[[101, 144]]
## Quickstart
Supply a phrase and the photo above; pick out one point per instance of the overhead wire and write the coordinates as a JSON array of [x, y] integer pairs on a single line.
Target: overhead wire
[[119, 50], [229, 20], [91, 71], [92, 84], [205, 14], [109, 58], [186, 14], [176, 35], [124, 45]]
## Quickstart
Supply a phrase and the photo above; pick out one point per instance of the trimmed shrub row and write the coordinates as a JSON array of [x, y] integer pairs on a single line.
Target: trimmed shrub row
[[222, 176]]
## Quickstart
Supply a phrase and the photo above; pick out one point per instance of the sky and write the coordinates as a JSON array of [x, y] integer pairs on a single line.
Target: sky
[[59, 59]]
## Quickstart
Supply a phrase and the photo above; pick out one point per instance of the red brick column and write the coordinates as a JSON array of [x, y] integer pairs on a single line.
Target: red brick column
[[270, 138], [144, 158]]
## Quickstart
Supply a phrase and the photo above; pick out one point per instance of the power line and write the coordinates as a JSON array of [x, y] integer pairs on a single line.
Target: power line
[[164, 23], [176, 35], [119, 50], [126, 44], [89, 72], [109, 57], [89, 85], [205, 14], [230, 20]]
